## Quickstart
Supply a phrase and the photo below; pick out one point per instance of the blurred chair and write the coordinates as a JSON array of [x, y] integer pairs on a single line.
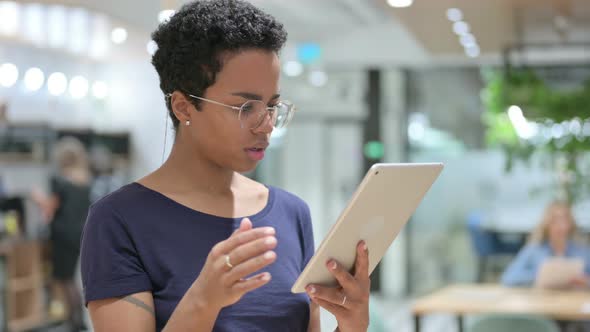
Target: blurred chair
[[488, 244], [507, 322]]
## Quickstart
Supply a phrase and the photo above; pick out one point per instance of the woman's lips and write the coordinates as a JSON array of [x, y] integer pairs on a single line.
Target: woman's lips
[[255, 154]]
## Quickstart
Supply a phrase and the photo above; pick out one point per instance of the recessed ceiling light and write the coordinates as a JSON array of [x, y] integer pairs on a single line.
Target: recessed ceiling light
[[468, 40], [400, 3], [454, 14], [461, 28], [473, 51], [119, 35]]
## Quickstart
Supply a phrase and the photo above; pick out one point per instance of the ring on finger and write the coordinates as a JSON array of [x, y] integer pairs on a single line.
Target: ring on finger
[[228, 262]]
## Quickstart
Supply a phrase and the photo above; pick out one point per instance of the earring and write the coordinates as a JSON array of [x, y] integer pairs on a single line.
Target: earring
[[188, 123]]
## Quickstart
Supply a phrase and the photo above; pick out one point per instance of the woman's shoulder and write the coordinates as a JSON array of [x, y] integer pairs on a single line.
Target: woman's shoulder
[[130, 197], [129, 193], [288, 199]]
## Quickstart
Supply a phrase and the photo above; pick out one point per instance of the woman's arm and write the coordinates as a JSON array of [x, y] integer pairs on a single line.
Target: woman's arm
[[523, 270], [131, 313], [48, 204], [136, 313], [218, 285]]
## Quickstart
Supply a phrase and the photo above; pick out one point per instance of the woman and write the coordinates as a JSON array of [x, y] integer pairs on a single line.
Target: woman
[[173, 251], [66, 209], [552, 238]]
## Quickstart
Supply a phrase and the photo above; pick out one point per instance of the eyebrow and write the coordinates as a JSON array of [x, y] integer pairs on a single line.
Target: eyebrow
[[253, 96]]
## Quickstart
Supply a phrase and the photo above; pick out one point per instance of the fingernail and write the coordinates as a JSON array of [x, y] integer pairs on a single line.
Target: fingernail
[[268, 255], [265, 277], [270, 240], [365, 246], [312, 289], [269, 231], [333, 265]]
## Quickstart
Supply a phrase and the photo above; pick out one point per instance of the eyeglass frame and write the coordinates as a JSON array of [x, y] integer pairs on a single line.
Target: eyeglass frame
[[269, 109]]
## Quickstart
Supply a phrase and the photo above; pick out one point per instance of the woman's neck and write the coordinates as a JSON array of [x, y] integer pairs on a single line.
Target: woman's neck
[[187, 171], [558, 246]]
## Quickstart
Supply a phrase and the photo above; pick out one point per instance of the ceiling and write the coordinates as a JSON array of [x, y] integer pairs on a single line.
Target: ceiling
[[369, 32]]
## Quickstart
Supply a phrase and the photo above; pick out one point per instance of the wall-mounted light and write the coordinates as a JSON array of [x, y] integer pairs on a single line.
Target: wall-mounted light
[[57, 84], [8, 75], [34, 79], [78, 87], [100, 90]]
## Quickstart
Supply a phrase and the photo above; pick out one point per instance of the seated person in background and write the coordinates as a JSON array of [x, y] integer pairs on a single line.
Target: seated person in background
[[552, 239]]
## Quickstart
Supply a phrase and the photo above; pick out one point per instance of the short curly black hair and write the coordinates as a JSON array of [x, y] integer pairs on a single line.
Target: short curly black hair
[[192, 42]]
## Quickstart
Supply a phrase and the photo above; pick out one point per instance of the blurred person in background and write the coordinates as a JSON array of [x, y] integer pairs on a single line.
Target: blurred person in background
[[105, 178], [65, 209], [554, 237]]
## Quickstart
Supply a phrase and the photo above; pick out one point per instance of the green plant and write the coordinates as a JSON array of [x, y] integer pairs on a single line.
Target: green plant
[[546, 107]]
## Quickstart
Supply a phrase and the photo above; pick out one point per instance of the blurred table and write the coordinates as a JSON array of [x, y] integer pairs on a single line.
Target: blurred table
[[487, 299]]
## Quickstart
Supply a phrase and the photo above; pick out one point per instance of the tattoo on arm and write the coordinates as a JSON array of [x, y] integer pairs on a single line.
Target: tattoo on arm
[[140, 304]]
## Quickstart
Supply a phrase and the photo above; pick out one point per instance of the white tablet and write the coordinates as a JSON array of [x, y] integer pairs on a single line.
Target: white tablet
[[381, 206], [558, 272]]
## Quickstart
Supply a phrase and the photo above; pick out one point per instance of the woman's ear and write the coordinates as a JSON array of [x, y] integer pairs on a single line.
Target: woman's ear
[[181, 106]]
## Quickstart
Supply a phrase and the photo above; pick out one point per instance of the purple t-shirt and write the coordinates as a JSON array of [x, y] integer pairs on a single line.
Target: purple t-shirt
[[137, 239]]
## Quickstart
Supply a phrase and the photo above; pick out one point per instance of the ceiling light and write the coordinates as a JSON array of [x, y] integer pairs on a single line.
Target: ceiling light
[[9, 14], [318, 78], [454, 14], [152, 47], [165, 15], [400, 3], [461, 28], [293, 68], [119, 35], [472, 51], [468, 40]]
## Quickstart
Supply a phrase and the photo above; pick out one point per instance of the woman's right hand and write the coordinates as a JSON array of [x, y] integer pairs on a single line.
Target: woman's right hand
[[249, 250]]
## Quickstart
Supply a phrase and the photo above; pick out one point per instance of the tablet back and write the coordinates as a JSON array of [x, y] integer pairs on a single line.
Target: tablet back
[[382, 204]]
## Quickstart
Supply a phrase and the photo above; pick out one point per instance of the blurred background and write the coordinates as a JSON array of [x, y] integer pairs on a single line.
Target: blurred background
[[497, 90]]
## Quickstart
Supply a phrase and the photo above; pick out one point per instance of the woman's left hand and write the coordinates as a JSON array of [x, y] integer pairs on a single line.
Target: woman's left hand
[[348, 302]]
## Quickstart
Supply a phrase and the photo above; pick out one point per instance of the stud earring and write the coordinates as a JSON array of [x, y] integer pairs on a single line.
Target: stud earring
[[188, 123]]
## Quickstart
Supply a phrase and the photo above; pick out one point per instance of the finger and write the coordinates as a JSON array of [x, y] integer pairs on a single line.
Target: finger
[[345, 279], [248, 267], [361, 265], [240, 238], [333, 295], [251, 249], [334, 309], [252, 283], [245, 225]]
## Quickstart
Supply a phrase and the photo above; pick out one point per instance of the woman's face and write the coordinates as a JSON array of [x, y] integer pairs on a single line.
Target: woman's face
[[560, 225], [216, 131]]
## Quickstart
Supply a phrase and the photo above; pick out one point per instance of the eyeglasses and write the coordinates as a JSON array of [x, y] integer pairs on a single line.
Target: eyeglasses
[[253, 113]]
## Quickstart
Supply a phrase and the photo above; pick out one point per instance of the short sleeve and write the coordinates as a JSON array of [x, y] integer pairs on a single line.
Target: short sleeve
[[308, 239], [110, 264], [56, 186]]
